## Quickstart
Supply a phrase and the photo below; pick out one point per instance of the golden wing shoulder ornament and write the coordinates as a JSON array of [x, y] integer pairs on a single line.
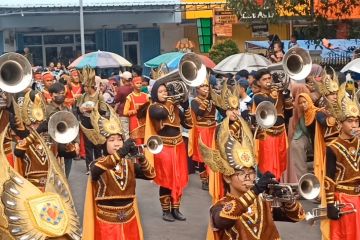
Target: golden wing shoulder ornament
[[26, 213]]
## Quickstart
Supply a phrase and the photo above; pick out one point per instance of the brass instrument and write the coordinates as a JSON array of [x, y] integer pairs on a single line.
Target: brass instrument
[[154, 144], [265, 115], [296, 65], [63, 127], [308, 188], [321, 213], [15, 73], [191, 73]]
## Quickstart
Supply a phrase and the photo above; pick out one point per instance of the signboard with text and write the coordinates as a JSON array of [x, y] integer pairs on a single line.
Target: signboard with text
[[223, 21], [259, 30]]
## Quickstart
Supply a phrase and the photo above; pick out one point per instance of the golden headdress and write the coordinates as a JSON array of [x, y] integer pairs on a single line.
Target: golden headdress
[[228, 99], [33, 111], [327, 84], [103, 127], [88, 75], [229, 155], [347, 104]]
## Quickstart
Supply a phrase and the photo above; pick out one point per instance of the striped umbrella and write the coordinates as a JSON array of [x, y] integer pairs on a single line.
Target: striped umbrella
[[100, 59]]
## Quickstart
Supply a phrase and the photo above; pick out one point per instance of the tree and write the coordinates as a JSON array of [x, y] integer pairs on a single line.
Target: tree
[[290, 8], [223, 49]]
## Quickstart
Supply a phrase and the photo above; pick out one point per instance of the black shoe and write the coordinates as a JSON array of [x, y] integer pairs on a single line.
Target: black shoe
[[205, 186], [178, 215], [167, 216]]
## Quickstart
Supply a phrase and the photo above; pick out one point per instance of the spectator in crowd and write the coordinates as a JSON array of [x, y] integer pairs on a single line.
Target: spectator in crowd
[[278, 53], [28, 55], [244, 98], [120, 99], [293, 42]]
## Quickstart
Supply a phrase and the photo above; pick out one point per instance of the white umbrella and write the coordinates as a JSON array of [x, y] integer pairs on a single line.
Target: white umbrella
[[354, 66], [240, 61]]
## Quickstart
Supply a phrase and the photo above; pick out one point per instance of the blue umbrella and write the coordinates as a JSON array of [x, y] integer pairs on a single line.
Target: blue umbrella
[[163, 58], [100, 59]]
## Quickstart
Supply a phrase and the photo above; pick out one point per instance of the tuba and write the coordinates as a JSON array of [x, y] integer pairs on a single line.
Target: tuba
[[190, 73], [266, 114], [63, 127], [15, 72], [296, 65]]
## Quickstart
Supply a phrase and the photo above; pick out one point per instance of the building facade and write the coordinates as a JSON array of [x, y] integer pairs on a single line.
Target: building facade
[[138, 30]]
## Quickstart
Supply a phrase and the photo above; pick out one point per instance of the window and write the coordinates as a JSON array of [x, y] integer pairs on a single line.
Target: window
[[57, 47], [131, 46]]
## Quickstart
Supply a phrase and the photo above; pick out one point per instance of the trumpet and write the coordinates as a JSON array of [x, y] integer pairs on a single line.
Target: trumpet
[[321, 213], [308, 187], [154, 145]]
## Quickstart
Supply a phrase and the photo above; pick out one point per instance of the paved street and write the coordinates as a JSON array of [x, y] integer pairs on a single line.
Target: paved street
[[195, 206]]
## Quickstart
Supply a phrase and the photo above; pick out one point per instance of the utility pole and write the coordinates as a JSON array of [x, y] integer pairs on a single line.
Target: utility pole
[[82, 35]]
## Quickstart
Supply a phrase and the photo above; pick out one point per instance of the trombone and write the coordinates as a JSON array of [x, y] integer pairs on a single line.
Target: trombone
[[321, 213]]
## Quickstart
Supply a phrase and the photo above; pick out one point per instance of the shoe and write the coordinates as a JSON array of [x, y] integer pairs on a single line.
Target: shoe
[[205, 186], [178, 215], [167, 216], [87, 173]]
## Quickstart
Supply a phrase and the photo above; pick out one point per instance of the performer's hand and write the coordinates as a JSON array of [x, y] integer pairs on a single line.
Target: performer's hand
[[77, 149], [128, 145], [185, 105], [333, 212], [43, 127], [262, 185]]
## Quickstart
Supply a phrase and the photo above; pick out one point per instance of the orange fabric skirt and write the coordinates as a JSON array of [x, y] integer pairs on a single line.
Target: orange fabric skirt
[[348, 226], [117, 231], [82, 145], [172, 170], [207, 137], [273, 154]]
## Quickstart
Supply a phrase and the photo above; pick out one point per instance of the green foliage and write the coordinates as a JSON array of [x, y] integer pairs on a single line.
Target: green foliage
[[223, 49], [297, 8]]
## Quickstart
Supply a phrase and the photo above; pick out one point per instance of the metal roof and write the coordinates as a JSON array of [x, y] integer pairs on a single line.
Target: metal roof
[[86, 3]]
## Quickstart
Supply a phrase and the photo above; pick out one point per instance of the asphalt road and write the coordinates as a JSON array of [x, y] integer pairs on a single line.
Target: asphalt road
[[195, 206]]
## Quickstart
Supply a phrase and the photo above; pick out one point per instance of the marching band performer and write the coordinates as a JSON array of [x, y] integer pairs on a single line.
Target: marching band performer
[[31, 161], [272, 141], [243, 213], [86, 104], [204, 123], [110, 208], [27, 211], [328, 87], [70, 150], [132, 105], [48, 80], [165, 120], [342, 171], [73, 88]]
